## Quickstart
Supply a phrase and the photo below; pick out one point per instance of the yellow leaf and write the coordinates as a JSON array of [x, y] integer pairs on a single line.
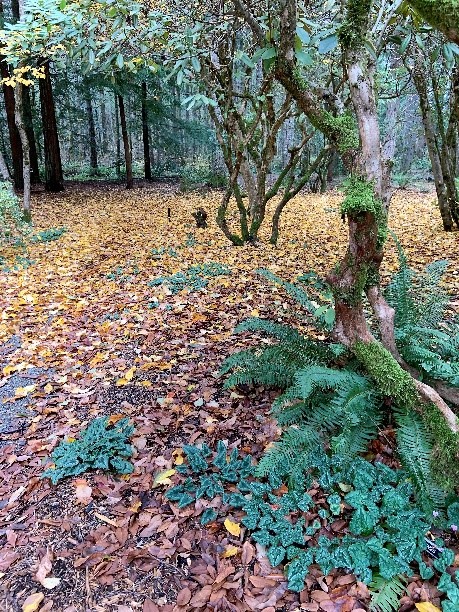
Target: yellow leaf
[[230, 551], [233, 528], [23, 391], [255, 313], [32, 602], [163, 478], [130, 373], [114, 418], [426, 606], [105, 519], [48, 388]]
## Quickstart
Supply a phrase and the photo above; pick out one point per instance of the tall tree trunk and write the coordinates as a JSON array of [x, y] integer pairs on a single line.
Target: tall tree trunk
[[127, 148], [145, 133], [117, 135], [18, 115], [54, 180], [420, 82], [28, 123], [92, 132], [15, 140]]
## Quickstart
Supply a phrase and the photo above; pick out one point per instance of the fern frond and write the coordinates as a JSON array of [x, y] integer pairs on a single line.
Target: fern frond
[[386, 594], [415, 450], [296, 292]]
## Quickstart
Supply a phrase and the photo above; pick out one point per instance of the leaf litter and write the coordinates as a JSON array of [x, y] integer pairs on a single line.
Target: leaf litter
[[106, 341]]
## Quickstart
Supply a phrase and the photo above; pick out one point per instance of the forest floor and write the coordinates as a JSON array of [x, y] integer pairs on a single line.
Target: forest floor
[[83, 334]]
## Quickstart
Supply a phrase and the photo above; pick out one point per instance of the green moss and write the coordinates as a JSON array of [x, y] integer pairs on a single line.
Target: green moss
[[341, 130], [389, 376], [442, 14], [353, 29], [360, 197], [445, 457]]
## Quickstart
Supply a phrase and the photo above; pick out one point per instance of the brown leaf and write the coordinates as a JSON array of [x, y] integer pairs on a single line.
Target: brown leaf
[[45, 566], [183, 597], [201, 597], [149, 606]]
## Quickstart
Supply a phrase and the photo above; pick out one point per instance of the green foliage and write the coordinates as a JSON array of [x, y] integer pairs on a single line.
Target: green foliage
[[386, 594], [100, 446], [49, 235], [122, 275], [207, 474], [389, 376], [354, 28], [198, 173], [13, 228], [386, 530], [360, 198], [424, 338], [194, 278], [341, 129], [320, 305]]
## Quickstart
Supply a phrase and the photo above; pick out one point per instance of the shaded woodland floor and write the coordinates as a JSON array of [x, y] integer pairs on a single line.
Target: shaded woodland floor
[[83, 334]]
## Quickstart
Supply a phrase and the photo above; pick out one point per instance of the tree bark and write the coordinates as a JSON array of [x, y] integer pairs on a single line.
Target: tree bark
[[91, 132], [28, 124], [54, 180], [15, 140], [18, 115], [127, 148], [420, 83], [145, 134]]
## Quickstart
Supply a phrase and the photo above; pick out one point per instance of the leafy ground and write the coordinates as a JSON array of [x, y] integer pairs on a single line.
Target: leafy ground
[[83, 334]]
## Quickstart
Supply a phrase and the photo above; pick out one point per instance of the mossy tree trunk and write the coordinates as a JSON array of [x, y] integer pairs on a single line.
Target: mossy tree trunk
[[366, 206]]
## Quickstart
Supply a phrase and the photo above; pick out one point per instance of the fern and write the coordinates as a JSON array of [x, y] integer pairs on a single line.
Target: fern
[[415, 450], [424, 339], [325, 408], [386, 594]]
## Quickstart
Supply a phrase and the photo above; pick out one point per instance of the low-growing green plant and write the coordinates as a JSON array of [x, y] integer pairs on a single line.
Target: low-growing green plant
[[157, 253], [198, 172], [100, 446], [49, 235], [386, 536], [122, 275], [193, 278]]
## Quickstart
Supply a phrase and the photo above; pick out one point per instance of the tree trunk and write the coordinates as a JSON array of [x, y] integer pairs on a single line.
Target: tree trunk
[[92, 133], [15, 140], [419, 80], [18, 115], [54, 180], [4, 172], [117, 135], [28, 123], [127, 148], [145, 133]]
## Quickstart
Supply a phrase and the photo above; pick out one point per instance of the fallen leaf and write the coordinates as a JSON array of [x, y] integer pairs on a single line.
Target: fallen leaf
[[426, 606], [233, 528], [230, 551], [24, 391], [45, 566], [105, 519], [183, 597], [32, 602], [163, 478], [83, 491], [51, 582]]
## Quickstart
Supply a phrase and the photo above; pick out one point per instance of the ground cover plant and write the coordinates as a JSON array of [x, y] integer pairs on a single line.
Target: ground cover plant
[[95, 349]]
